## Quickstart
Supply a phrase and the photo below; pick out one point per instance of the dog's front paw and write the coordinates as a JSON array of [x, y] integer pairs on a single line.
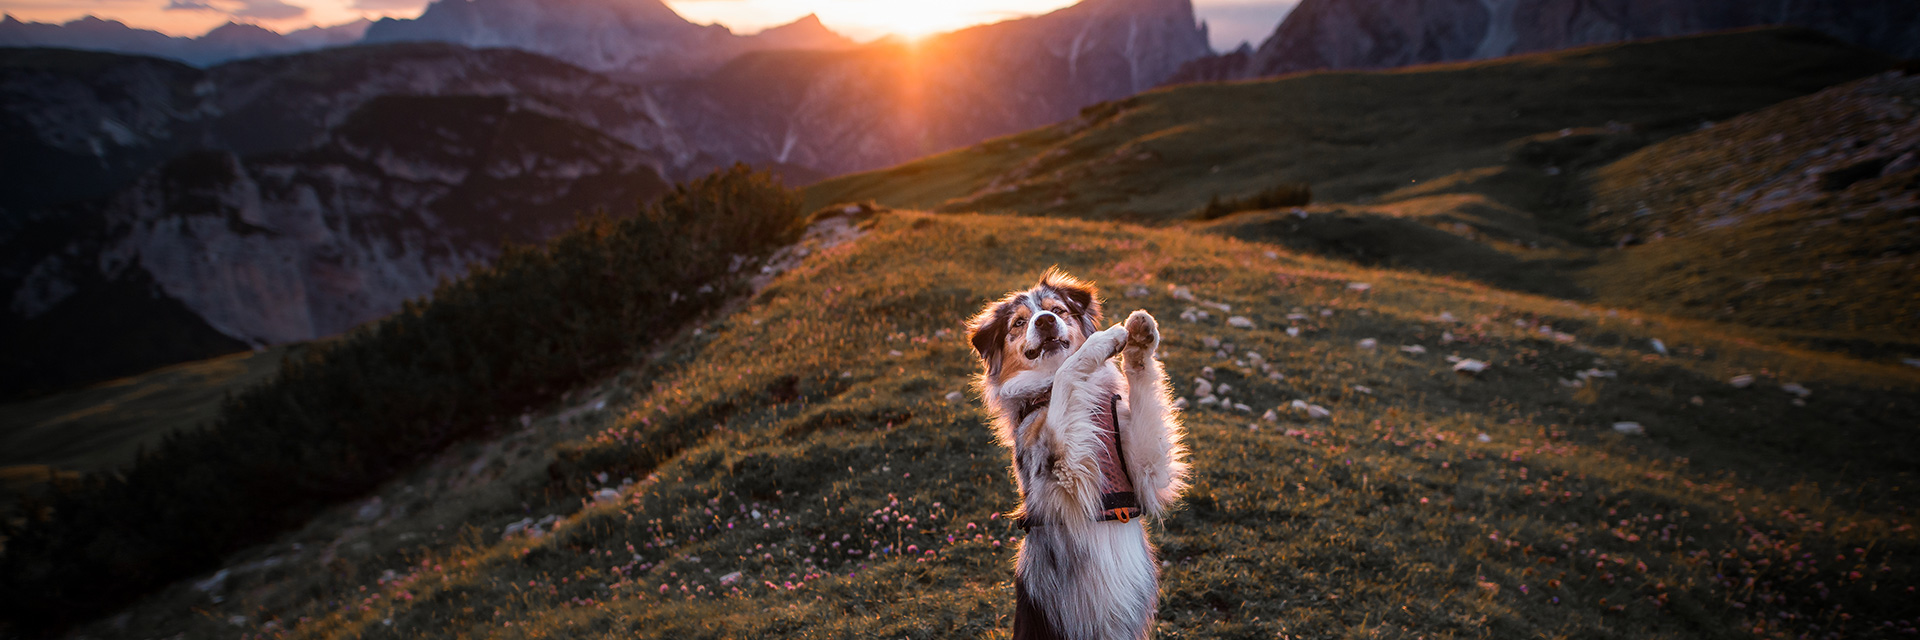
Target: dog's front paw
[[1143, 339], [1107, 343]]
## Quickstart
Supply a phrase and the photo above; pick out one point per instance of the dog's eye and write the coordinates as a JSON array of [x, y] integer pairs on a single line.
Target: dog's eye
[[1019, 322]]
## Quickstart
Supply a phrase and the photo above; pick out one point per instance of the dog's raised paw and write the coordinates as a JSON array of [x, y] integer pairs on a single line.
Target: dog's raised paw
[[1143, 337]]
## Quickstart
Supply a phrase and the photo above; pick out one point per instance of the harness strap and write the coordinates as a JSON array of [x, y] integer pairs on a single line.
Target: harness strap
[[1122, 506]]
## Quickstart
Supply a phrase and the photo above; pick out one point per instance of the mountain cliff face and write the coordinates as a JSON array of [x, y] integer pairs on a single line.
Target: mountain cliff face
[[838, 112], [231, 41], [1370, 34], [285, 247], [635, 38]]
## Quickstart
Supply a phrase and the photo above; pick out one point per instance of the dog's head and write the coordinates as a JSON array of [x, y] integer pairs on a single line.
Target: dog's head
[[1035, 329]]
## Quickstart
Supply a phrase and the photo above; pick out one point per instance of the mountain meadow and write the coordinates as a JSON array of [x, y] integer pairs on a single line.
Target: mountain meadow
[[1609, 342]]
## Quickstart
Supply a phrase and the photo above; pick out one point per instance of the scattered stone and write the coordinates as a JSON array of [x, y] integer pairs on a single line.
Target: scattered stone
[[1911, 362], [1224, 388], [1138, 291], [1630, 428], [1297, 316], [846, 374], [1326, 313], [1596, 373], [1741, 381], [370, 511], [955, 396], [1483, 437], [1363, 389], [1445, 317], [1446, 337], [1240, 322], [1190, 315], [1254, 358], [1313, 410], [1222, 306], [1369, 343], [1210, 342], [1270, 416], [1795, 389], [895, 353], [1293, 332], [1658, 346], [1358, 286], [1180, 293], [608, 494], [1209, 401], [1413, 349], [1276, 376], [1202, 388], [1242, 408], [730, 578], [1272, 255], [1470, 366], [1181, 404], [1572, 384], [1206, 372]]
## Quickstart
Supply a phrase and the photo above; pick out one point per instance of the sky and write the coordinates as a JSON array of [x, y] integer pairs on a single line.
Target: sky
[[1231, 20]]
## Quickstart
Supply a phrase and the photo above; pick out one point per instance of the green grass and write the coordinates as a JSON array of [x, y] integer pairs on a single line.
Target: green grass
[[821, 404]]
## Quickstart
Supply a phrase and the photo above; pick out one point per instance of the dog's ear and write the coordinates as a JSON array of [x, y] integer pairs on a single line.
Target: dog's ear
[[988, 333], [1084, 297]]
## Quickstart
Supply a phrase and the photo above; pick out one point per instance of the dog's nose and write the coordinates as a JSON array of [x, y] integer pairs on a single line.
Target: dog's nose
[[1047, 323]]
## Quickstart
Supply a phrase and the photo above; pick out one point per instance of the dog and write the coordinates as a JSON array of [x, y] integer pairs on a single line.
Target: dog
[[1095, 447]]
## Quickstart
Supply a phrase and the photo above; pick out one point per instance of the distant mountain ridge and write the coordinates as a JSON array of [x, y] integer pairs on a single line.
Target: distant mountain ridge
[[1375, 34], [231, 41], [641, 39]]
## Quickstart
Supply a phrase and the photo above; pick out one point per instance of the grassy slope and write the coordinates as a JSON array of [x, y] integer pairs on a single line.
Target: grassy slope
[[100, 427], [821, 405], [1353, 135], [1797, 216]]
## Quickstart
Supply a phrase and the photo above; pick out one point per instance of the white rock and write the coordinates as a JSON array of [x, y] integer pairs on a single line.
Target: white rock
[[1445, 317], [730, 578], [1137, 291], [1296, 316], [1276, 376], [1326, 313], [1270, 416], [1181, 404], [1911, 362], [1206, 372], [1271, 255], [1629, 428], [1209, 401], [1210, 342], [1470, 366], [1225, 388], [1180, 293], [1413, 349], [1293, 332], [1795, 389], [956, 396], [1318, 412], [895, 353], [756, 514], [370, 511], [1202, 388], [1741, 381], [1242, 408], [1240, 322], [1358, 286], [606, 495], [1658, 346], [1572, 384], [1369, 343], [1190, 315], [1446, 337], [1363, 389], [1222, 306], [1484, 438]]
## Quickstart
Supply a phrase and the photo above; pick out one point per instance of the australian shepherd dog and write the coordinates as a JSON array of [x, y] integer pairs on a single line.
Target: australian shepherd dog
[[1096, 450]]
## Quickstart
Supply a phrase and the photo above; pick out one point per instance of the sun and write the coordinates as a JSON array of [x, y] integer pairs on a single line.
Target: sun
[[916, 20]]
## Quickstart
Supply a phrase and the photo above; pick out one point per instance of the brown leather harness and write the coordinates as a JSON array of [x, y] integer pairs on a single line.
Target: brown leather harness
[[1117, 498]]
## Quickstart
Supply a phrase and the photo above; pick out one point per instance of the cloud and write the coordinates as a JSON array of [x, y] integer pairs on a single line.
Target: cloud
[[253, 9], [267, 10], [390, 5]]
